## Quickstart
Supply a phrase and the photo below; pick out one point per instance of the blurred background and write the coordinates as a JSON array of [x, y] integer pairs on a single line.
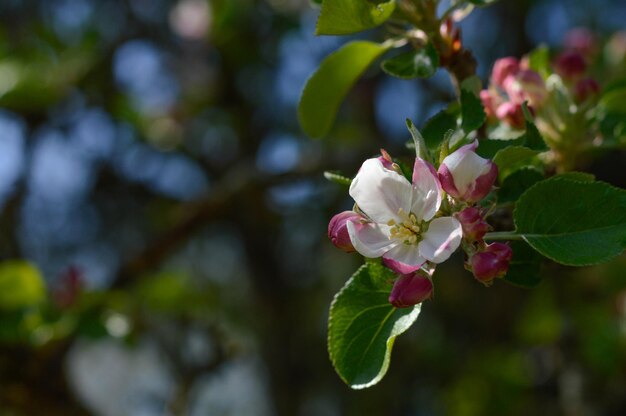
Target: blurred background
[[163, 229]]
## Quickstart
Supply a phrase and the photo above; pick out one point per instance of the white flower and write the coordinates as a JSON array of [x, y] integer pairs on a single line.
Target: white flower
[[400, 225]]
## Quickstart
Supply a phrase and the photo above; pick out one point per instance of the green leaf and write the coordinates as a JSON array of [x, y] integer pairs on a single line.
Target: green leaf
[[533, 138], [342, 17], [524, 267], [421, 150], [21, 285], [539, 60], [413, 64], [489, 148], [326, 88], [363, 326], [436, 128], [337, 178], [614, 97], [472, 112], [517, 183], [572, 222], [513, 158]]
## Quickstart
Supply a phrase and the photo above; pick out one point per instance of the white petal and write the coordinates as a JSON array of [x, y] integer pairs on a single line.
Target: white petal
[[380, 192], [426, 198], [369, 239], [465, 166], [405, 258], [441, 240]]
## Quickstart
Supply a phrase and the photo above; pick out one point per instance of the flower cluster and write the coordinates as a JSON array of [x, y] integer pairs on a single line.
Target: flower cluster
[[512, 84], [413, 225]]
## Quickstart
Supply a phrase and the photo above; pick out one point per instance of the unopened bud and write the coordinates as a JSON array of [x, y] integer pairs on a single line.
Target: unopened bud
[[492, 262], [580, 40], [570, 65], [386, 159], [473, 224], [338, 230], [585, 89], [466, 176], [411, 289], [503, 68]]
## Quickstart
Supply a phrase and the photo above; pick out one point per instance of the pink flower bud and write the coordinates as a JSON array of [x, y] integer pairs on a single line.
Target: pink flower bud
[[465, 175], [580, 40], [338, 230], [570, 65], [489, 103], [410, 289], [512, 114], [473, 224], [491, 263], [585, 89], [504, 68], [526, 85], [69, 288]]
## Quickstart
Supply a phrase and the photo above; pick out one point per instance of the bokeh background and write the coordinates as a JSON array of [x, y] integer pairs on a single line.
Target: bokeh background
[[153, 171]]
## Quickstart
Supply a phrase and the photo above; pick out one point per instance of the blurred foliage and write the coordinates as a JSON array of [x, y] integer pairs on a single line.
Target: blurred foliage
[[169, 219]]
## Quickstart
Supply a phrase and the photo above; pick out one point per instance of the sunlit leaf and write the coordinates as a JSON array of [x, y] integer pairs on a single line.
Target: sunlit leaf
[[342, 17]]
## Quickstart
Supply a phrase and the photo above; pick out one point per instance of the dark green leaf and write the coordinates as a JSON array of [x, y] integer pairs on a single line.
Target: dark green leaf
[[472, 111], [524, 267], [513, 158], [363, 326], [533, 138], [413, 64], [517, 183], [572, 222], [436, 128], [326, 88], [342, 17], [489, 148]]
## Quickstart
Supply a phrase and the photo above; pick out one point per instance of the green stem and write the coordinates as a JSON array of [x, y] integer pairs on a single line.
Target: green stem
[[503, 235]]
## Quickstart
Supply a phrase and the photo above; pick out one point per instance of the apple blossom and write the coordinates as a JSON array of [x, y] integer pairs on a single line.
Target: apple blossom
[[466, 176], [512, 114], [400, 224], [410, 289], [338, 230], [503, 68], [491, 263], [526, 85]]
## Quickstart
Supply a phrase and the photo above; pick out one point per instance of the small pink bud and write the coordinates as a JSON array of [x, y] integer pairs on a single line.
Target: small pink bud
[[580, 40], [504, 68], [466, 176], [512, 114], [585, 89], [570, 65], [491, 263], [338, 230], [489, 103], [69, 288], [410, 289], [473, 224]]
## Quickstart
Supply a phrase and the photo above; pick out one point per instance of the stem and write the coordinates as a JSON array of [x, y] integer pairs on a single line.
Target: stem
[[503, 235]]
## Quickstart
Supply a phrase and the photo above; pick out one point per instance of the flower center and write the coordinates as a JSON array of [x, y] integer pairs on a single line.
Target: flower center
[[409, 230]]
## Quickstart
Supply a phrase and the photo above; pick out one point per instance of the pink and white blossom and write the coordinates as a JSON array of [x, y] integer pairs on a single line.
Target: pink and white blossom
[[401, 226], [338, 230], [466, 176]]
